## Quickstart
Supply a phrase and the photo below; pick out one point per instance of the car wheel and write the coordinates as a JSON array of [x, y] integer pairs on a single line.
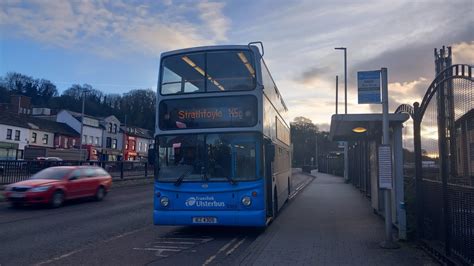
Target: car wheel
[[57, 199], [100, 194]]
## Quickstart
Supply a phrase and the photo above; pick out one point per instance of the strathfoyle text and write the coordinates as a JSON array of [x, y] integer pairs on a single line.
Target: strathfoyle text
[[202, 113]]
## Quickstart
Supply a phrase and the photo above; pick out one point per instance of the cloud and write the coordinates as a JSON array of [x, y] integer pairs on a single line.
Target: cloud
[[400, 35], [112, 28], [313, 74], [463, 52], [211, 14]]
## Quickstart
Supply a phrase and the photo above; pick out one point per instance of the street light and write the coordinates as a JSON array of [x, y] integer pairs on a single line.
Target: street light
[[345, 76], [346, 157]]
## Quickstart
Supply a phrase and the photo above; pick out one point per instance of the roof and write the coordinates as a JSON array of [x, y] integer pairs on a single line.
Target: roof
[[343, 124], [34, 123], [205, 48], [139, 132], [78, 116]]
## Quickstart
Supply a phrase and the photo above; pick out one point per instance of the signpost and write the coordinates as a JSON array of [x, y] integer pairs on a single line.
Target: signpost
[[385, 166], [368, 86], [373, 88]]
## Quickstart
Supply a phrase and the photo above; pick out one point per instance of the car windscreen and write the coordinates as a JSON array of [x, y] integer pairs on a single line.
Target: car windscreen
[[216, 71], [209, 157], [51, 173]]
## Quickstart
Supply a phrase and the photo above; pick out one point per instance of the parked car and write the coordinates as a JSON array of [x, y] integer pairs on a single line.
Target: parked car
[[54, 185]]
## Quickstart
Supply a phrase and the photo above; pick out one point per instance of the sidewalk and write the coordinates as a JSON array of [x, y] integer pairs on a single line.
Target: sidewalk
[[329, 223]]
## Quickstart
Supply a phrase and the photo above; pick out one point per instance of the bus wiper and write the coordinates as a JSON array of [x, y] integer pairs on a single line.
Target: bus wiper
[[180, 178], [204, 174], [231, 180]]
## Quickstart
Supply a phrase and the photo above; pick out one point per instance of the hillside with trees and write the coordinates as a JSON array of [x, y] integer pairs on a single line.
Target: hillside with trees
[[136, 106]]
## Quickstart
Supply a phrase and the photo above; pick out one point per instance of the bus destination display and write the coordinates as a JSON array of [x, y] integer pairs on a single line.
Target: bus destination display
[[208, 113]]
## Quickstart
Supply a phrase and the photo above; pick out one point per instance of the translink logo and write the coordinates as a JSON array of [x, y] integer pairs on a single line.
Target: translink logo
[[203, 202]]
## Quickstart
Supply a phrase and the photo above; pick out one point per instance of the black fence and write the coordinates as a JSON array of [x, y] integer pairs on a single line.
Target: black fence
[[14, 171], [331, 164], [441, 153]]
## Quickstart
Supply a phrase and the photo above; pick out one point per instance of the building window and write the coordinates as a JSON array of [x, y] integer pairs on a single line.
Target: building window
[[45, 138], [84, 139], [17, 134], [73, 142], [108, 142], [132, 144], [91, 140], [110, 128], [65, 143], [97, 140], [9, 133], [115, 128], [33, 137], [114, 144]]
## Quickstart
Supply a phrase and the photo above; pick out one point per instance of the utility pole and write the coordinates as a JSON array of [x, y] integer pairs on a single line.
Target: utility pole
[[337, 92], [82, 125], [124, 139]]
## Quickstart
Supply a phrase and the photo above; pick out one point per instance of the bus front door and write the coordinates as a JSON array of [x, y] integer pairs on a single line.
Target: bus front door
[[268, 159]]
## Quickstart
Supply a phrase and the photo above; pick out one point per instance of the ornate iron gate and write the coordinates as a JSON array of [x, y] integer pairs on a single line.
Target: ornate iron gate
[[443, 140]]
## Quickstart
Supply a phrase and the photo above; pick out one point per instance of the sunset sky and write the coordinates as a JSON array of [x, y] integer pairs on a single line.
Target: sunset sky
[[115, 45]]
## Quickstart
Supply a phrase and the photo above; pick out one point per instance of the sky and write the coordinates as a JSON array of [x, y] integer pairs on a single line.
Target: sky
[[115, 45]]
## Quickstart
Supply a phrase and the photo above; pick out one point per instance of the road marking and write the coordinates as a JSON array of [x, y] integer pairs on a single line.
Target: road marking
[[166, 246], [159, 251], [60, 257], [300, 187], [236, 246], [222, 249], [87, 247], [173, 242]]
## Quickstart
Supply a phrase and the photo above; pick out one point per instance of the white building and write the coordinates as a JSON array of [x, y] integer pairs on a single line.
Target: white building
[[92, 132]]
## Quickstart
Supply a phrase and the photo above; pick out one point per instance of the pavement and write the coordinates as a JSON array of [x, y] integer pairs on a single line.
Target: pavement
[[328, 223]]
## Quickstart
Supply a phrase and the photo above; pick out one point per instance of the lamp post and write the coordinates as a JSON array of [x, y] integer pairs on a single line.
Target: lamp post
[[346, 157], [345, 76]]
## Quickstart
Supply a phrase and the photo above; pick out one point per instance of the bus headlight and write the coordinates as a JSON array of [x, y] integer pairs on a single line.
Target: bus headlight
[[246, 201], [164, 201]]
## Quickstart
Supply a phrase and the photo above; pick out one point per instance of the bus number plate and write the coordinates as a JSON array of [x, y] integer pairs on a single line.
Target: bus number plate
[[204, 220]]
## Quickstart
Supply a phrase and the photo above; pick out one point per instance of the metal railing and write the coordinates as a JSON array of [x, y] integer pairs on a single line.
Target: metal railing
[[15, 171]]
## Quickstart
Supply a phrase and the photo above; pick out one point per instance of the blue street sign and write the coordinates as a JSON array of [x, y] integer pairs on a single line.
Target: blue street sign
[[368, 86]]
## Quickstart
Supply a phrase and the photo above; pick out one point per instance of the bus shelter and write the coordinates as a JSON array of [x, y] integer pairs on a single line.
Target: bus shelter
[[363, 132]]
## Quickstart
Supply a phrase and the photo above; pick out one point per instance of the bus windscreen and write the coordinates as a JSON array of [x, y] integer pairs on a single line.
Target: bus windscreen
[[212, 112], [216, 71]]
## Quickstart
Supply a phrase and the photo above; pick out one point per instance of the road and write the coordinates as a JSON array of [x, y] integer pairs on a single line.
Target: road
[[117, 231]]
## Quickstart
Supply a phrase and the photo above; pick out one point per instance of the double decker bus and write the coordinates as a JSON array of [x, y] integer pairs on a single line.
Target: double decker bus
[[222, 146]]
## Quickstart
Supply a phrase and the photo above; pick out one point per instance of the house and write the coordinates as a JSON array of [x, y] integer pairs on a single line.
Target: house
[[137, 142], [112, 139], [20, 131], [14, 136], [92, 131]]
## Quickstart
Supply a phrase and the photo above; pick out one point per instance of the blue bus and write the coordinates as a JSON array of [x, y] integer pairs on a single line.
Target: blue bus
[[222, 145]]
